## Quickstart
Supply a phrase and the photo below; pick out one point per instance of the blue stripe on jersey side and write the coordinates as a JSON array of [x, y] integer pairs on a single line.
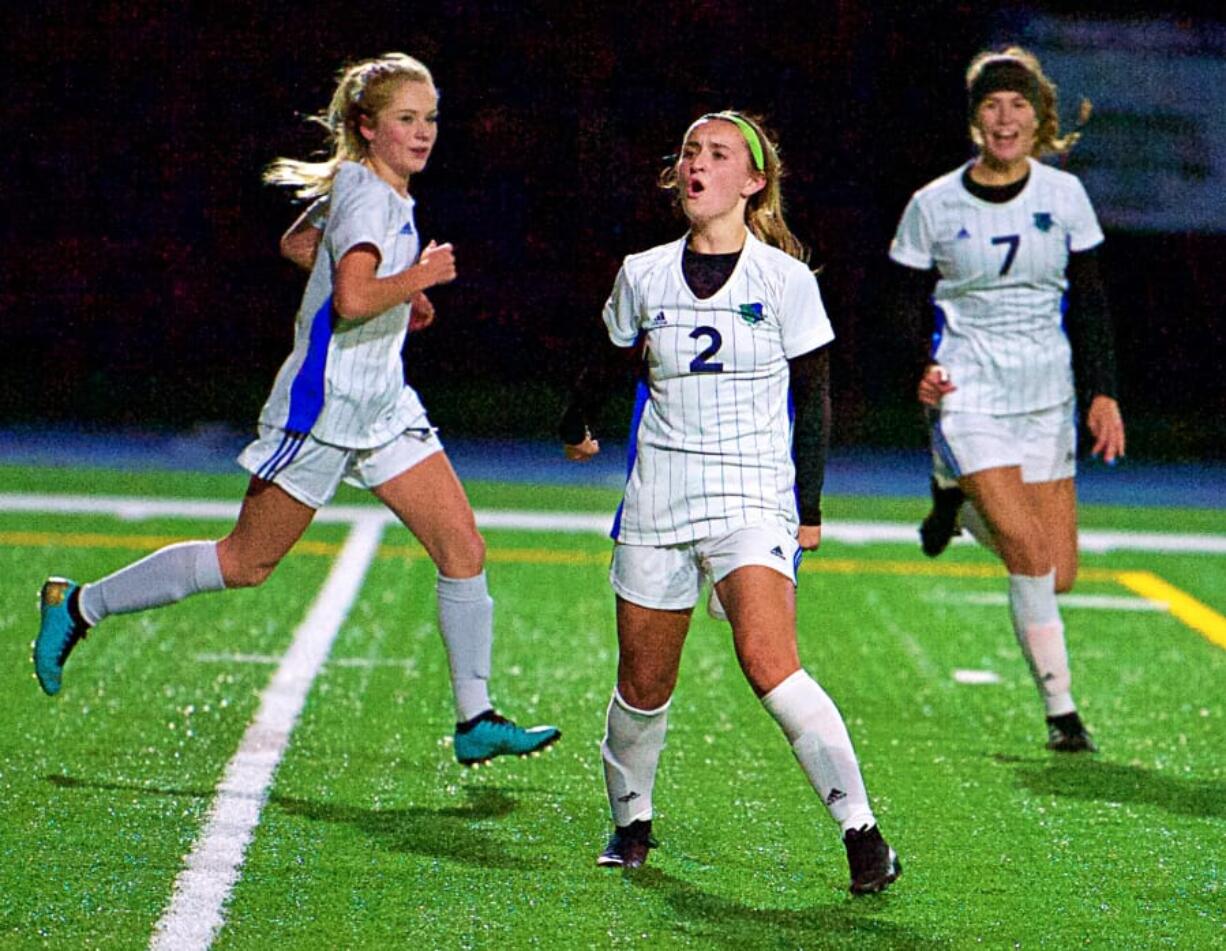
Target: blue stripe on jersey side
[[792, 431], [306, 394], [938, 328], [941, 445], [641, 396]]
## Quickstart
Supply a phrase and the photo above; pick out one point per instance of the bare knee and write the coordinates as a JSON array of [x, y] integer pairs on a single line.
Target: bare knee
[[240, 570], [765, 672], [1024, 552], [462, 555]]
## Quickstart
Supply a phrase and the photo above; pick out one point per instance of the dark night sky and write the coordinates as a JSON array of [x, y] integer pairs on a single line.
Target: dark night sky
[[142, 282]]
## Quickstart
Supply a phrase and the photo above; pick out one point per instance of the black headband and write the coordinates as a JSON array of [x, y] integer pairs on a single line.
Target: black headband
[[1005, 74]]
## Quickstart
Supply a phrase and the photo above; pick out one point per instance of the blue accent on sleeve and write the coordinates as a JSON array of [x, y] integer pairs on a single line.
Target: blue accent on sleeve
[[306, 394], [641, 396]]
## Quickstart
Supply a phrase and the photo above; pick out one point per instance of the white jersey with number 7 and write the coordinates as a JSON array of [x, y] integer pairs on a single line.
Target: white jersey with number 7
[[1000, 295]]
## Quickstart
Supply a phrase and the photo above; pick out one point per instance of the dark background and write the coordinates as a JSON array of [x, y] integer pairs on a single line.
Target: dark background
[[142, 285]]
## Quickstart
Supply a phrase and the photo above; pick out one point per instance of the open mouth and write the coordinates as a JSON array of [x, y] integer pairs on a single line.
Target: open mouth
[[694, 187]]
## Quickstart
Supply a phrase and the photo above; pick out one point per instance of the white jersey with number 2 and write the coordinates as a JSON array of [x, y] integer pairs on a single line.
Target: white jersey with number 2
[[1002, 283], [714, 440]]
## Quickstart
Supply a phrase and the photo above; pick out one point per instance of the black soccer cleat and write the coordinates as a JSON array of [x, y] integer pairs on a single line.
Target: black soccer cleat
[[628, 845], [941, 524], [1067, 734], [874, 865]]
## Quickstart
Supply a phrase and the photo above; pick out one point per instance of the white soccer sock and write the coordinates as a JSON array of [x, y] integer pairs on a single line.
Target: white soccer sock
[[633, 741], [815, 728], [1040, 632], [466, 619], [168, 575], [974, 523]]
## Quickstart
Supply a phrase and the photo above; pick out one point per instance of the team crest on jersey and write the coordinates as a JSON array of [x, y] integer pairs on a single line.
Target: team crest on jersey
[[1042, 220], [659, 320], [751, 313]]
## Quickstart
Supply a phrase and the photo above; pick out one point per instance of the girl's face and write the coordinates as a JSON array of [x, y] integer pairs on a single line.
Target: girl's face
[[1008, 124], [402, 133], [715, 172]]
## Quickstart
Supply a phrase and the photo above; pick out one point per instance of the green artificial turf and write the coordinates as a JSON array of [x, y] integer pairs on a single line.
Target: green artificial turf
[[373, 837]]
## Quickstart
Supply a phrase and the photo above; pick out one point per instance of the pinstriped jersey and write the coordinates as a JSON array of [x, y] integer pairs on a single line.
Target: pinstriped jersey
[[1000, 295], [344, 380], [714, 439]]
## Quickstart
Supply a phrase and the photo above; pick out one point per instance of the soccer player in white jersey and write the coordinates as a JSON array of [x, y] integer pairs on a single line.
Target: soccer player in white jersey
[[340, 409], [729, 323], [1013, 244]]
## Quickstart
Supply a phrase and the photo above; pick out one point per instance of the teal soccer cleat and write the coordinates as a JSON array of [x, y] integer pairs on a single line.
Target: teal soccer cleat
[[490, 734], [58, 633]]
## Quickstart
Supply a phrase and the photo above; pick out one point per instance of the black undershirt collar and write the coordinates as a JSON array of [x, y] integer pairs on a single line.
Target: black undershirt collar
[[707, 273], [996, 194]]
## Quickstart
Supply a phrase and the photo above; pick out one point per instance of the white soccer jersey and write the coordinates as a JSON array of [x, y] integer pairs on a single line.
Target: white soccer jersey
[[714, 441], [1000, 296], [344, 381]]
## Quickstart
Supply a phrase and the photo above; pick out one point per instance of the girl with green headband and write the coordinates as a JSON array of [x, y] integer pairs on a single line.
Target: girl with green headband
[[1004, 250], [724, 488]]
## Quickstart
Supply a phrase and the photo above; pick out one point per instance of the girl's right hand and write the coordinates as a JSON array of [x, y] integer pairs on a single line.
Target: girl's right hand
[[437, 264], [933, 385]]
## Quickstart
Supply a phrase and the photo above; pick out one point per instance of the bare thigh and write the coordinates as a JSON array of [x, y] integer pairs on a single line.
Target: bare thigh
[[431, 503], [269, 523], [761, 605], [649, 642], [1007, 505]]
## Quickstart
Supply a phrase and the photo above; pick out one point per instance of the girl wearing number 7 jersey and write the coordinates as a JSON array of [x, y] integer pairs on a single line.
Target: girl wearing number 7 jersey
[[1018, 295]]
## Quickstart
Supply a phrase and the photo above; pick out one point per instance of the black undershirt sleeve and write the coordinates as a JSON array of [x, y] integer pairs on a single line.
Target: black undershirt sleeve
[[1088, 325], [809, 380], [908, 303], [607, 368]]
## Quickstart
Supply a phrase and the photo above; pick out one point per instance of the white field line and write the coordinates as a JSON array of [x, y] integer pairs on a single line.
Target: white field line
[[1094, 602], [407, 663], [857, 533], [195, 913]]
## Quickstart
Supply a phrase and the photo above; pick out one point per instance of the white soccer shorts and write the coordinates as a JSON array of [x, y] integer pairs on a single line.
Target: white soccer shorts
[[311, 470], [670, 577], [1042, 443]]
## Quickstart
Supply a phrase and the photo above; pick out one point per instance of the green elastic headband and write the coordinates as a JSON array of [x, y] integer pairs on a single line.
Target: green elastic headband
[[748, 131]]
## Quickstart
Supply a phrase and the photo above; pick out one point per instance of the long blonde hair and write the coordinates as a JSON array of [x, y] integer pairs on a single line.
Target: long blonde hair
[[1047, 138], [764, 210], [362, 90]]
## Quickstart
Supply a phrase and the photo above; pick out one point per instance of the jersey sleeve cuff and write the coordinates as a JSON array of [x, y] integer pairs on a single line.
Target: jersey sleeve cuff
[[910, 258]]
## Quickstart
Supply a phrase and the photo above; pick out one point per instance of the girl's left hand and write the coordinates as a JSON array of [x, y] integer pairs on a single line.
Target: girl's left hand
[[583, 451], [421, 314], [1106, 425], [809, 537]]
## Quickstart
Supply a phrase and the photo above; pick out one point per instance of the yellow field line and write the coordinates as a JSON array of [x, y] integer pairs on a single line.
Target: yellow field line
[[1195, 614], [132, 542]]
